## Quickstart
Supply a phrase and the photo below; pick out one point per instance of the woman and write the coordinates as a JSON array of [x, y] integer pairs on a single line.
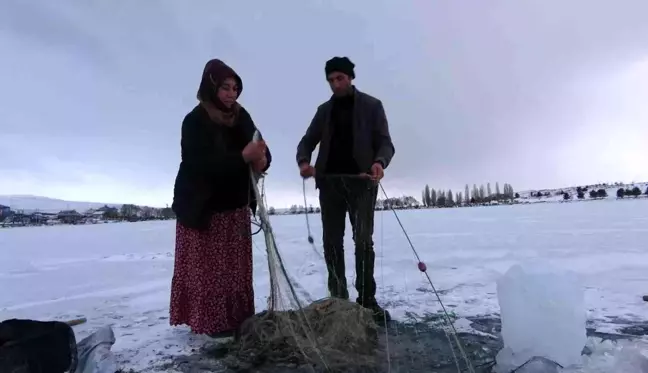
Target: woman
[[211, 289]]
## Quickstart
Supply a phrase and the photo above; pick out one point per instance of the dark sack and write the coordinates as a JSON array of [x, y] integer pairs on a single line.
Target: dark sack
[[28, 346]]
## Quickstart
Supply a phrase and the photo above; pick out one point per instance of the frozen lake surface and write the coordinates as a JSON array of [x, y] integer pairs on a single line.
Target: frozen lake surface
[[120, 274]]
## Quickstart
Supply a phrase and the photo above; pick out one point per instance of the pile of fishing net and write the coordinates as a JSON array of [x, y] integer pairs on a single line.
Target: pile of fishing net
[[330, 335]]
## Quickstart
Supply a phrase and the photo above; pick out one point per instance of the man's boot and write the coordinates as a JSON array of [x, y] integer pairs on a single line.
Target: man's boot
[[380, 315], [366, 285]]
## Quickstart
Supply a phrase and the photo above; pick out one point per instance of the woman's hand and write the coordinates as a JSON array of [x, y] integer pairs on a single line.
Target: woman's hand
[[260, 165], [254, 152]]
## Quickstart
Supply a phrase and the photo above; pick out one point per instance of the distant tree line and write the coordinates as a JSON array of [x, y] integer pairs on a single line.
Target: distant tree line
[[478, 195], [595, 193], [135, 212], [580, 193], [404, 202], [634, 192], [399, 203]]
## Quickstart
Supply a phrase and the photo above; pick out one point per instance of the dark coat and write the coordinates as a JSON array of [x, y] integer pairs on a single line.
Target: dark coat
[[371, 141], [213, 177]]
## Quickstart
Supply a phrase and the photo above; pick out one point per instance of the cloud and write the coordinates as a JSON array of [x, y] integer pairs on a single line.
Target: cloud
[[534, 93]]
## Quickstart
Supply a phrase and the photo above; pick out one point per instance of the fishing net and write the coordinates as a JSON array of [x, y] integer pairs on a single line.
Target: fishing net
[[329, 335]]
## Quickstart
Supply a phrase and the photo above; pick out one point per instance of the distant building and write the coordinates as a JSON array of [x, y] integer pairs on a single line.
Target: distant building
[[107, 208], [69, 216], [4, 212], [107, 212], [19, 219], [38, 218]]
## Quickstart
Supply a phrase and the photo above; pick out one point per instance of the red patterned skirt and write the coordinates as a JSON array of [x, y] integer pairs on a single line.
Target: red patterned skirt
[[211, 290]]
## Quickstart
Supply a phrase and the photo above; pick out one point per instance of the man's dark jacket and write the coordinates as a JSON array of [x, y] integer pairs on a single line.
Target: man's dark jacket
[[213, 177], [371, 140]]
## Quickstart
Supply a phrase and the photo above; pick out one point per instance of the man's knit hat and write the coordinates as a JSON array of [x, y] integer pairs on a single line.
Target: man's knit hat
[[340, 64]]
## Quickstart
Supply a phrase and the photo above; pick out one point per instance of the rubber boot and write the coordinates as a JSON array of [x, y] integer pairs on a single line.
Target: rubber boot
[[380, 315]]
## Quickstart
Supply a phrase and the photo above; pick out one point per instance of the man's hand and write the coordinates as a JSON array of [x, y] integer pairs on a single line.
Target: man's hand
[[306, 170], [377, 171]]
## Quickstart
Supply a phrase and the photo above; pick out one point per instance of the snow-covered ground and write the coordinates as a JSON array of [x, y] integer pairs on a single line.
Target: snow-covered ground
[[120, 274]]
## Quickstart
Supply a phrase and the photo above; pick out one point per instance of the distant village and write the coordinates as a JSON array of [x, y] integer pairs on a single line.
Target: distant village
[[134, 213], [105, 214], [431, 198]]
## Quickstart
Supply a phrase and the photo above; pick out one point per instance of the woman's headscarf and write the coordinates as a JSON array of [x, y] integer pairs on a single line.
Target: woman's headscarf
[[214, 74]]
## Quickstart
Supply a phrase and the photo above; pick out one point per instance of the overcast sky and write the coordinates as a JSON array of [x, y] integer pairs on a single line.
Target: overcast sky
[[534, 93]]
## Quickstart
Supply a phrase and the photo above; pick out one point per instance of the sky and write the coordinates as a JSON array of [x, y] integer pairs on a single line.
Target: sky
[[534, 93]]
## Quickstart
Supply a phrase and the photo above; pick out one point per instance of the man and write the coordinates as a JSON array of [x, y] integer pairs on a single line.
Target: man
[[355, 148]]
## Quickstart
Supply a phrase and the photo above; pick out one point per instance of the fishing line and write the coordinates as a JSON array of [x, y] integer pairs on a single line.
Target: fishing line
[[308, 228], [275, 258], [357, 226], [382, 278], [311, 240], [254, 219], [421, 266]]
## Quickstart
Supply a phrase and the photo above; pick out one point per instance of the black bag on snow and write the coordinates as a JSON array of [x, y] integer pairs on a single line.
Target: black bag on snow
[[28, 346]]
